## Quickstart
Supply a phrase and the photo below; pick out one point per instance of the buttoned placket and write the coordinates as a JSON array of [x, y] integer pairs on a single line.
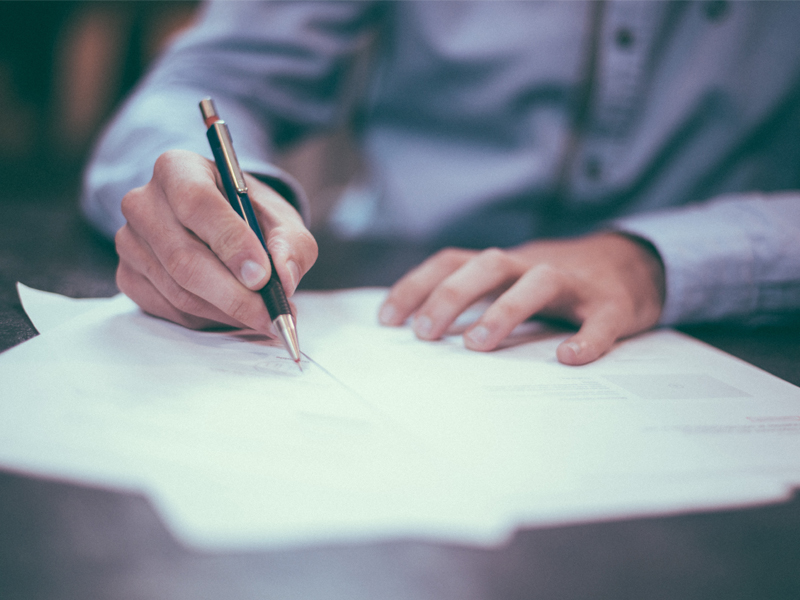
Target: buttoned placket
[[625, 36]]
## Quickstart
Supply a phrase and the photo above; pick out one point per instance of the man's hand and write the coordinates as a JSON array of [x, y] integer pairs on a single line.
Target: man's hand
[[186, 256], [609, 284]]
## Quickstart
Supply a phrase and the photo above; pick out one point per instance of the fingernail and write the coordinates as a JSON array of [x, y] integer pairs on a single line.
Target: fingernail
[[294, 275], [478, 335], [387, 314], [575, 347], [252, 273], [423, 326]]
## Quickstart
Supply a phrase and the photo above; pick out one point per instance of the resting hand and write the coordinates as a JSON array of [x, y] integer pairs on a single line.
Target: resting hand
[[186, 256], [609, 284]]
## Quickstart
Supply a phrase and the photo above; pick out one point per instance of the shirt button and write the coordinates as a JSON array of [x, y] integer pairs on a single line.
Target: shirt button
[[715, 10], [593, 168], [624, 38]]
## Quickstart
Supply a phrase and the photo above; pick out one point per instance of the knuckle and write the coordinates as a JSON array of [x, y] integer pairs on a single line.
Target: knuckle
[[184, 301], [493, 254], [191, 201], [508, 310], [309, 246], [408, 292], [132, 202], [121, 240], [452, 257], [184, 267], [304, 249], [297, 245], [167, 162], [239, 309], [548, 273], [546, 269], [152, 271], [228, 241], [495, 259], [184, 188], [448, 294]]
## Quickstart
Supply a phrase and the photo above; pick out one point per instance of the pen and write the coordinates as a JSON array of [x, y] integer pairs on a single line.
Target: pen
[[236, 190]]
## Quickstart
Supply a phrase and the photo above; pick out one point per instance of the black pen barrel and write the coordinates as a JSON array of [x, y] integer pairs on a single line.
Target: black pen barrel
[[272, 293], [274, 296], [227, 183]]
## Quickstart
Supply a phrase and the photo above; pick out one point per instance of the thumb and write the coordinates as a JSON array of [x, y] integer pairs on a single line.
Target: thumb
[[595, 337]]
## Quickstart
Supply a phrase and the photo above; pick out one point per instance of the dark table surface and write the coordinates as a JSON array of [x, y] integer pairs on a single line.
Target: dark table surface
[[63, 541]]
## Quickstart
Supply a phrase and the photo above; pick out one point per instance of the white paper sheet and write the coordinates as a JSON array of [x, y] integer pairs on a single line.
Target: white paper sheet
[[383, 435], [48, 310]]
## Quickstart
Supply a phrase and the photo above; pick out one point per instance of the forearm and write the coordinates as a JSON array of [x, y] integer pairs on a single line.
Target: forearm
[[274, 69]]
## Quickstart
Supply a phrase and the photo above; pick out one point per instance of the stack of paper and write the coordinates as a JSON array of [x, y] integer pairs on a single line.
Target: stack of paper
[[382, 435]]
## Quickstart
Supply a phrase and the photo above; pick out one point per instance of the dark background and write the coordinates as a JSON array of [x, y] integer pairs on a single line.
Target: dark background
[[64, 66]]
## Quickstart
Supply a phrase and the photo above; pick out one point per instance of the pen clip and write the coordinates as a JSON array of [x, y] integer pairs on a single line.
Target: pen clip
[[211, 118], [226, 145]]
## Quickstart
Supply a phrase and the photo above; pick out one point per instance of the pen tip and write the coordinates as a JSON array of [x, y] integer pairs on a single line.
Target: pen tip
[[285, 326]]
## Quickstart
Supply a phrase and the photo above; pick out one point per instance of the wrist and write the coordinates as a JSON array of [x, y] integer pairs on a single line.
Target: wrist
[[649, 261]]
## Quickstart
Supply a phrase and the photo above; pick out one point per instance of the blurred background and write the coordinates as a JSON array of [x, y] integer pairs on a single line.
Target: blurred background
[[64, 67]]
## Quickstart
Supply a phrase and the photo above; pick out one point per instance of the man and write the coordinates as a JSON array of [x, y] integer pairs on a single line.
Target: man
[[619, 164]]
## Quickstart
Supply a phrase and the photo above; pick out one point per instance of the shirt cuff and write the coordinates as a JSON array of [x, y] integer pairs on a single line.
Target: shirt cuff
[[708, 259]]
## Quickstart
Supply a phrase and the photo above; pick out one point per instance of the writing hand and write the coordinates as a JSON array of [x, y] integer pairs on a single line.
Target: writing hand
[[186, 256], [609, 284]]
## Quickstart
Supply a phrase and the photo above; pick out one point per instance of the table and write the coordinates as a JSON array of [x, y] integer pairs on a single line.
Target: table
[[65, 541]]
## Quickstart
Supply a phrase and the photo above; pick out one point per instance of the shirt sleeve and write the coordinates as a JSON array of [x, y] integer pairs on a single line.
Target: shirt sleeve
[[277, 72], [735, 258]]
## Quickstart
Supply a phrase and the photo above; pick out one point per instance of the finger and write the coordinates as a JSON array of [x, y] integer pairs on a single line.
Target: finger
[[483, 274], [292, 247], [140, 274], [189, 185], [408, 294], [539, 288], [596, 336], [195, 268], [151, 301], [293, 254]]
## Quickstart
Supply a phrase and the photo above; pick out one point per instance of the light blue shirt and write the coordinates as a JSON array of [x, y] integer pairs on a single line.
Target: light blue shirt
[[492, 123]]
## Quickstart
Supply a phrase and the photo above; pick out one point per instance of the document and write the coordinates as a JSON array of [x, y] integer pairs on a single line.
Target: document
[[383, 436]]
